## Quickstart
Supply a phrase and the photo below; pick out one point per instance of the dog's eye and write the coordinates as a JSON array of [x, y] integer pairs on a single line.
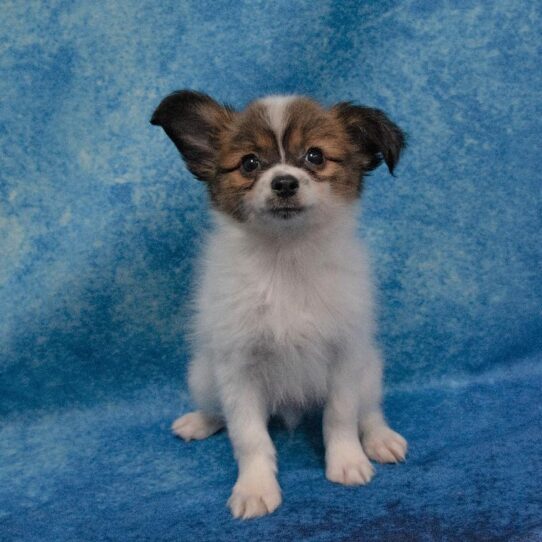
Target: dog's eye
[[250, 163], [315, 156]]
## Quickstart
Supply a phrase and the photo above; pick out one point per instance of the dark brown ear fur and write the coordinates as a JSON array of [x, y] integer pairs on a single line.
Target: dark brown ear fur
[[376, 136], [194, 122]]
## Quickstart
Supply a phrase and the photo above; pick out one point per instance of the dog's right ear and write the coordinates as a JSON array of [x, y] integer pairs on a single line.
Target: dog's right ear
[[376, 136], [194, 121]]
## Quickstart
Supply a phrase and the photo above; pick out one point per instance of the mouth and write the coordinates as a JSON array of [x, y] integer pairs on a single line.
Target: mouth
[[285, 213]]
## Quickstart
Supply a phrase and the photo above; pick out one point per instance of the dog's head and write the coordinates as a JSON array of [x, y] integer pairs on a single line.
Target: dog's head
[[282, 161]]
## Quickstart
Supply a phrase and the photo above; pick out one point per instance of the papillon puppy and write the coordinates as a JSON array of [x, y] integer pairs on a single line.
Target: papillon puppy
[[284, 320]]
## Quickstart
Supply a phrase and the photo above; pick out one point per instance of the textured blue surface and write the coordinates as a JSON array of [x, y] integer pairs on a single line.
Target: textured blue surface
[[100, 225]]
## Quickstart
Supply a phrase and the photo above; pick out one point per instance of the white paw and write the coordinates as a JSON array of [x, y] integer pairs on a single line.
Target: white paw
[[384, 445], [255, 496], [195, 426], [348, 465]]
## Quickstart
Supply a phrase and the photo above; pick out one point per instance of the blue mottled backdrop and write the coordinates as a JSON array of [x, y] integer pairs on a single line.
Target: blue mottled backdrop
[[100, 225]]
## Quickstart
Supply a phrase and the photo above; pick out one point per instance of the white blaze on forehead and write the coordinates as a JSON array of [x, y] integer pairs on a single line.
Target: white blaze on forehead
[[277, 107]]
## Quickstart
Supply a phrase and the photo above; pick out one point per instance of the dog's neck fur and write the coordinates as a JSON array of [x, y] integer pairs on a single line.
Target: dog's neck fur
[[317, 242]]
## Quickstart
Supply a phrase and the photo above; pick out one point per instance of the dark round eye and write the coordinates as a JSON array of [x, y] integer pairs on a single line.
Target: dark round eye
[[315, 156], [250, 163]]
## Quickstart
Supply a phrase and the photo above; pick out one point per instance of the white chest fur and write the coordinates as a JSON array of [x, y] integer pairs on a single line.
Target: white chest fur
[[283, 309]]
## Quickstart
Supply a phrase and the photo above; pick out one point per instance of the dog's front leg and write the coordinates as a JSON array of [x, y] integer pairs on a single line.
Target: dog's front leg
[[346, 462], [256, 491]]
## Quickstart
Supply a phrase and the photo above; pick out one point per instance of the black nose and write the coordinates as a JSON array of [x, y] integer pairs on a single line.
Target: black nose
[[285, 186]]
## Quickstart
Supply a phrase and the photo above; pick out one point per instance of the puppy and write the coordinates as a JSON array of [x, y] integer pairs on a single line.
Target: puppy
[[285, 306]]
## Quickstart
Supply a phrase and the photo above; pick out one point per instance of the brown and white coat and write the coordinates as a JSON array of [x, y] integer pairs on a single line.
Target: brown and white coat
[[284, 317]]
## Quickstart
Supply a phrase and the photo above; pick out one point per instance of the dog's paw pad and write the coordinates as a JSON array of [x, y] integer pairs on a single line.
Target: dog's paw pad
[[350, 468], [253, 503], [195, 426], [384, 445]]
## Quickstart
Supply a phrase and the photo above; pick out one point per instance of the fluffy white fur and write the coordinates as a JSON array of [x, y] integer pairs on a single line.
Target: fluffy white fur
[[284, 323]]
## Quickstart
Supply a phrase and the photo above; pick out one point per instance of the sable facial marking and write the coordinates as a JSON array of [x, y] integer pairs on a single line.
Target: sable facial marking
[[238, 152]]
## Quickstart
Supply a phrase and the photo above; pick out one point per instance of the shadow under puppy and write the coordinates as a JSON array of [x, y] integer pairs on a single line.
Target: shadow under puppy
[[285, 308]]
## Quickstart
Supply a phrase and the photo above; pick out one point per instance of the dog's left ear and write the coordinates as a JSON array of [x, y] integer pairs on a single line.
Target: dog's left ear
[[194, 122], [375, 135]]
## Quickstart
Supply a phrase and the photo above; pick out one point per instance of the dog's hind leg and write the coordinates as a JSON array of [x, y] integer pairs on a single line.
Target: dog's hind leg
[[380, 442], [196, 425], [206, 421]]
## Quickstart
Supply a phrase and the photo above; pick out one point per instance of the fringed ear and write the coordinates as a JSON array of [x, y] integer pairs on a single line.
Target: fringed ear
[[376, 136], [194, 121]]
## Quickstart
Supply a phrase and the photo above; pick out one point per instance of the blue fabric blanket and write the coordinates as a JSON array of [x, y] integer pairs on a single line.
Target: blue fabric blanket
[[101, 224]]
